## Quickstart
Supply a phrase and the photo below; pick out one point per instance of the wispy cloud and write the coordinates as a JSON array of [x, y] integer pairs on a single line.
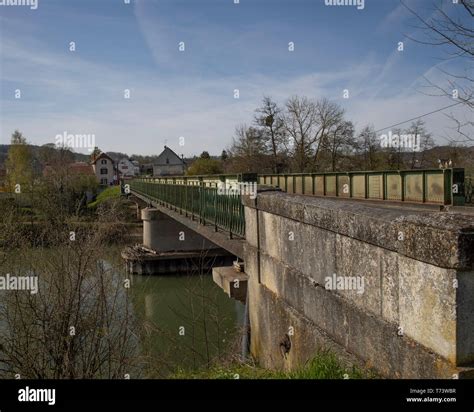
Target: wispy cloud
[[80, 94]]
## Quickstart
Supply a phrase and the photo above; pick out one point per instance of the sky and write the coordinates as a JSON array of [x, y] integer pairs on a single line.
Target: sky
[[186, 99]]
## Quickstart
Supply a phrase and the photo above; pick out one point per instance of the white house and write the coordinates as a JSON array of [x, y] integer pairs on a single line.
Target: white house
[[104, 169], [128, 168], [136, 167], [169, 163]]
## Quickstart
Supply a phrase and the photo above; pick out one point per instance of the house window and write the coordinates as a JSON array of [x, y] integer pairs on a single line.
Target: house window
[[103, 181], [104, 171], [167, 161], [103, 162]]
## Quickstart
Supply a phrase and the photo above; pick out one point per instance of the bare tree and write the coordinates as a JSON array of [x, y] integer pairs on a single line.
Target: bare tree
[[395, 153], [451, 28], [339, 141], [301, 124], [312, 126], [269, 118], [79, 322], [424, 140], [248, 150], [368, 145], [330, 119]]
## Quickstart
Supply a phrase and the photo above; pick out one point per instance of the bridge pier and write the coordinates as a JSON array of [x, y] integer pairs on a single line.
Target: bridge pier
[[161, 233], [151, 226], [169, 247]]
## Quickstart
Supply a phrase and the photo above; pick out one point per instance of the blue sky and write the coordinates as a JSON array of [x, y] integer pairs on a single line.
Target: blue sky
[[190, 94]]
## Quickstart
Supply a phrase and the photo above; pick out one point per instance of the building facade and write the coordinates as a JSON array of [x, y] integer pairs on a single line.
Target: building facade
[[128, 168], [104, 170], [169, 164], [136, 167]]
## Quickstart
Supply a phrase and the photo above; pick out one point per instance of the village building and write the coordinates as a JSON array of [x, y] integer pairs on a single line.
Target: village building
[[128, 168], [169, 163], [104, 169], [136, 167], [76, 168]]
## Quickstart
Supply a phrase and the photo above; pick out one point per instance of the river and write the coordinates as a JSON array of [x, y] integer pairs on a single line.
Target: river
[[188, 321], [185, 321]]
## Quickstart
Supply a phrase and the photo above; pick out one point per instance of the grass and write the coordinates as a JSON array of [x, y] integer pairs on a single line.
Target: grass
[[108, 193], [324, 365]]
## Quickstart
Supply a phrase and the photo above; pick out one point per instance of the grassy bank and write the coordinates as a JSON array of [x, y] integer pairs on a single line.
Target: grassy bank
[[325, 365], [108, 193]]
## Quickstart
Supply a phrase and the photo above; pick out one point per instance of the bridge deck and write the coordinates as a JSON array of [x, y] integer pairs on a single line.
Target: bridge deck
[[219, 237]]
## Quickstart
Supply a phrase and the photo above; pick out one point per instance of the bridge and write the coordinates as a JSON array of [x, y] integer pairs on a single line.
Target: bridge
[[377, 266], [208, 205]]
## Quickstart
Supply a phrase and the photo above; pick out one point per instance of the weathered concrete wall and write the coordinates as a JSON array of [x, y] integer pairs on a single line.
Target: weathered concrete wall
[[414, 315]]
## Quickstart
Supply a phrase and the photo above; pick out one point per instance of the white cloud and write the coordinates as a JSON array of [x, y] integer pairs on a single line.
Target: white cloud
[[70, 93]]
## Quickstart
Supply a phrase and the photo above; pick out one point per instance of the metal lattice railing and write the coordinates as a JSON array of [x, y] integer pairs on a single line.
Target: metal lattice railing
[[207, 204]]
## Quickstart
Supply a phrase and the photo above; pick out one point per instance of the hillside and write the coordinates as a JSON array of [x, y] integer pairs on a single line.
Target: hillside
[[78, 157], [462, 156]]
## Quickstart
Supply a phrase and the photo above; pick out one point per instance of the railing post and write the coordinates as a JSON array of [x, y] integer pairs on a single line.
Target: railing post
[[423, 186], [350, 185], [200, 208], [231, 216], [185, 197], [192, 202], [402, 185], [384, 185], [366, 185], [458, 182], [215, 209], [447, 180]]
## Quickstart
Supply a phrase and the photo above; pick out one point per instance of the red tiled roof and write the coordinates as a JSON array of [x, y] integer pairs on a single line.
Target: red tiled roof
[[80, 168]]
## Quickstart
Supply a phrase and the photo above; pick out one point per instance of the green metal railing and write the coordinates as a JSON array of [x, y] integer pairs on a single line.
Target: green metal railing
[[202, 198], [199, 198], [206, 180], [437, 186]]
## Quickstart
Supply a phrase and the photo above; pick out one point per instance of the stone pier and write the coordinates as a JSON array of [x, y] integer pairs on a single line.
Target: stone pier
[[170, 247]]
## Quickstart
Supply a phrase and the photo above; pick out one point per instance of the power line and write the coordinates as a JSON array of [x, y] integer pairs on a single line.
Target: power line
[[419, 117]]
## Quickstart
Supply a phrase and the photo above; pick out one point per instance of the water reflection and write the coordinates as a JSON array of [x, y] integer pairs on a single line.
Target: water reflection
[[187, 321], [176, 322]]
